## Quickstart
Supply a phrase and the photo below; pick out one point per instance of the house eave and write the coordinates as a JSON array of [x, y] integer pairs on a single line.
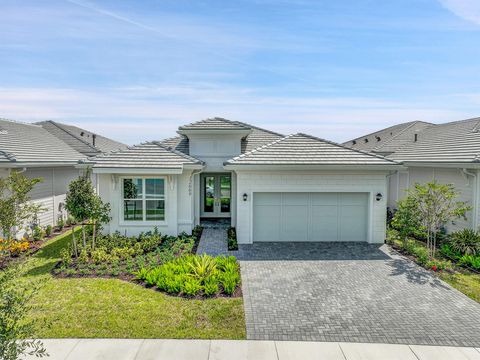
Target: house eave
[[146, 170], [36, 164], [443, 164], [260, 167]]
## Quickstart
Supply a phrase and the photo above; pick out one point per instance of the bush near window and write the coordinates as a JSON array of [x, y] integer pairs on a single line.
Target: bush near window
[[119, 255], [194, 275]]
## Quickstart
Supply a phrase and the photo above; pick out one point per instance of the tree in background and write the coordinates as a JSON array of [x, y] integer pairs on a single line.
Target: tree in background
[[15, 331], [436, 205], [15, 205]]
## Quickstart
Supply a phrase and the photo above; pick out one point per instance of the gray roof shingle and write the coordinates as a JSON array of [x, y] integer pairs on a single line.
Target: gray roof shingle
[[452, 142], [26, 143], [383, 141], [215, 123], [152, 155], [301, 149], [81, 139]]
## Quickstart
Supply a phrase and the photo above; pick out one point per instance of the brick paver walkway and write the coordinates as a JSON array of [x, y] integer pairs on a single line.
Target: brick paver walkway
[[351, 292]]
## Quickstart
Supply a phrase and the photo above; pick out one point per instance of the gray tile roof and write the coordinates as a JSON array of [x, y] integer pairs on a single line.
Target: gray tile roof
[[215, 123], [152, 155], [301, 149], [452, 142], [385, 140], [256, 138], [25, 143], [81, 139]]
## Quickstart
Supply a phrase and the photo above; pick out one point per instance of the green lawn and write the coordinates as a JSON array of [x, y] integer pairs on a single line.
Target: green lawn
[[469, 284], [111, 308]]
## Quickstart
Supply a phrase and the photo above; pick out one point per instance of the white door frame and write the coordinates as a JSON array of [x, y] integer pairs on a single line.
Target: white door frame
[[216, 213]]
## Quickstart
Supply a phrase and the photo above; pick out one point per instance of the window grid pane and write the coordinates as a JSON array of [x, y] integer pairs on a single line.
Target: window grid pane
[[140, 205]]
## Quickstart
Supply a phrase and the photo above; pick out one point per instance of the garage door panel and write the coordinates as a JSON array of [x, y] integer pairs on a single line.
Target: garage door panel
[[310, 216], [268, 228], [324, 223], [295, 222]]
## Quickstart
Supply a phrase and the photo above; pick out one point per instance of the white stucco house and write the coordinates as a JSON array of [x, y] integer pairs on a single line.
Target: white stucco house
[[447, 153], [271, 187], [51, 151]]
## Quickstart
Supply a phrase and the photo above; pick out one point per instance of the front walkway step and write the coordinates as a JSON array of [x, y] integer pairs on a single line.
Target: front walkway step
[[161, 349]]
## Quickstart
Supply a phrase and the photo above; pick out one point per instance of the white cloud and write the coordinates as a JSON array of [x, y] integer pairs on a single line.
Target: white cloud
[[466, 9], [134, 114]]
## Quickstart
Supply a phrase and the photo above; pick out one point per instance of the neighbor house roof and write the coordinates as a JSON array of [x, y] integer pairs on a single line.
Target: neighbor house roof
[[254, 139], [82, 140], [151, 155], [454, 142], [22, 143], [302, 149], [388, 140]]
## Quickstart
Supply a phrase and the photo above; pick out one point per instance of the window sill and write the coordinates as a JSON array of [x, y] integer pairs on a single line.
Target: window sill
[[143, 223]]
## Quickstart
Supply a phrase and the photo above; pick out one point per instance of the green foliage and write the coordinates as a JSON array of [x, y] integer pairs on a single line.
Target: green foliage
[[38, 233], [193, 275], [407, 218], [197, 232], [48, 230], [80, 197], [15, 328], [465, 242], [15, 205], [472, 261], [232, 239], [60, 223], [437, 206], [447, 251]]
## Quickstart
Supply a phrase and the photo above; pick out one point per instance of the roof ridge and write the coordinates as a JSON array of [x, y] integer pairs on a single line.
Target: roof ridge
[[19, 122], [346, 147], [174, 151], [388, 141], [58, 125], [260, 147]]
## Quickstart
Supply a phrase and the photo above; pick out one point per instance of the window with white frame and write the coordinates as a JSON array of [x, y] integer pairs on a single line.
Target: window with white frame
[[143, 199]]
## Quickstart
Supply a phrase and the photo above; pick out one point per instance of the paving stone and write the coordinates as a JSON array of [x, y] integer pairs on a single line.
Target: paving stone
[[242, 350], [99, 349], [445, 353], [57, 349], [357, 351], [304, 350], [156, 349]]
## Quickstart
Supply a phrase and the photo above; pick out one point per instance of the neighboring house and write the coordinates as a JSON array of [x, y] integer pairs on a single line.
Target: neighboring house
[[272, 187], [448, 153], [39, 151]]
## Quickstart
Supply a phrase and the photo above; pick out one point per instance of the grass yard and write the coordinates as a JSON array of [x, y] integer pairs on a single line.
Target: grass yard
[[112, 308], [469, 284]]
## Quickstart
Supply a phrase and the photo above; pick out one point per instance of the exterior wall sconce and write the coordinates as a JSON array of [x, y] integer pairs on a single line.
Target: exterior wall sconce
[[378, 197], [245, 197]]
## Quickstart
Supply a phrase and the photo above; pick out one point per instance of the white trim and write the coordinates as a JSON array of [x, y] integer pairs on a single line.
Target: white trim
[[466, 165], [264, 167], [121, 220], [138, 171]]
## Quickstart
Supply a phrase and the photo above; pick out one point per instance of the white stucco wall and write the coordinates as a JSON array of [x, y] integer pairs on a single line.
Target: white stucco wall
[[340, 181], [214, 149], [465, 185], [179, 214]]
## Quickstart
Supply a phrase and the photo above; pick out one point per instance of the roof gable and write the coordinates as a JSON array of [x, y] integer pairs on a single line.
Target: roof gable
[[215, 123]]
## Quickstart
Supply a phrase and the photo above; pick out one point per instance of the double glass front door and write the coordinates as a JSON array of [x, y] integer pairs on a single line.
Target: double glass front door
[[216, 195]]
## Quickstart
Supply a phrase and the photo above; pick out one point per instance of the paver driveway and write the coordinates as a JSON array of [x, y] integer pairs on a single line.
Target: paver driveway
[[350, 292]]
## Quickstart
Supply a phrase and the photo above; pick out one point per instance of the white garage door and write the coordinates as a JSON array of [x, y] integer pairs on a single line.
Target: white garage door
[[310, 216]]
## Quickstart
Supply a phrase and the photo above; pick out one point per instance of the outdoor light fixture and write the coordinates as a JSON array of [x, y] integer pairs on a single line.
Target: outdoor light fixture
[[378, 197], [245, 197]]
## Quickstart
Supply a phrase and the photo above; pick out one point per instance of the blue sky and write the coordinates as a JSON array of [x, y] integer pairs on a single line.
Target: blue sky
[[136, 70]]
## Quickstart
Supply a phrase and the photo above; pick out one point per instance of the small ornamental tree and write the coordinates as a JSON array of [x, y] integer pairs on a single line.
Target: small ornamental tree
[[15, 205], [437, 206], [99, 214], [79, 203], [15, 330], [407, 218]]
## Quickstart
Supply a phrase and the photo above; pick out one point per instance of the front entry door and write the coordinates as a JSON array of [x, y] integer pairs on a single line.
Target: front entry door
[[216, 195]]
